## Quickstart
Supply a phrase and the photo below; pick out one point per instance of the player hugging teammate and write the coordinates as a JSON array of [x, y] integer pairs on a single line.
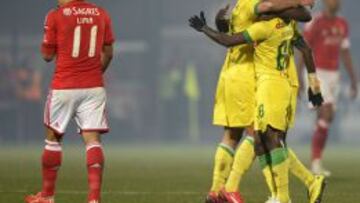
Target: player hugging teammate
[[261, 58], [79, 35]]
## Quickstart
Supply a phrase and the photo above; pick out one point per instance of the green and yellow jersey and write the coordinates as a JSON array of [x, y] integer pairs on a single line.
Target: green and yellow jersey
[[243, 15], [274, 54]]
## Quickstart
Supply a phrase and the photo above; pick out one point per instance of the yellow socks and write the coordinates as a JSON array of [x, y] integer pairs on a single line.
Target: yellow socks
[[277, 173], [267, 172], [299, 170], [244, 158], [224, 158]]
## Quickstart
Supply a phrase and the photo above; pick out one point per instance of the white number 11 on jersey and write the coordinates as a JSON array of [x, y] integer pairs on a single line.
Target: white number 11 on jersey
[[77, 41]]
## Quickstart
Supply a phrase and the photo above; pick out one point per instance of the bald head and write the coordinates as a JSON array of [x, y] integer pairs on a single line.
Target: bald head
[[332, 6]]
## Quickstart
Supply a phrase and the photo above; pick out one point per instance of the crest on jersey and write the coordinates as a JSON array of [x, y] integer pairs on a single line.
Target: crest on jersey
[[67, 12]]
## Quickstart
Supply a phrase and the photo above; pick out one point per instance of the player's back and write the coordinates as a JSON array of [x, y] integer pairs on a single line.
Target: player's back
[[274, 46], [81, 31]]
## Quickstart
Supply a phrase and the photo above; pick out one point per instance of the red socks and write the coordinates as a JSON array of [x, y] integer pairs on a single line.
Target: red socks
[[95, 163], [319, 139], [51, 161]]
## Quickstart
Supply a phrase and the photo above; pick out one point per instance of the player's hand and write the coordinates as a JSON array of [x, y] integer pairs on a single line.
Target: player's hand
[[353, 91], [316, 99], [314, 92], [198, 22]]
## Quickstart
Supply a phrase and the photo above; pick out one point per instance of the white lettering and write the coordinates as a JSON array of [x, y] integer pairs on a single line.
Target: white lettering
[[85, 11], [85, 20]]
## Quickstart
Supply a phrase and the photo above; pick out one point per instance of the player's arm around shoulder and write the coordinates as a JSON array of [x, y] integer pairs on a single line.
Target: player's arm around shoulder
[[299, 14], [265, 6], [259, 31], [49, 44]]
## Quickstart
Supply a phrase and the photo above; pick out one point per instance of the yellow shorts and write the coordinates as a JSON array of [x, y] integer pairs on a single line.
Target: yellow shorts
[[235, 97], [294, 96], [273, 104]]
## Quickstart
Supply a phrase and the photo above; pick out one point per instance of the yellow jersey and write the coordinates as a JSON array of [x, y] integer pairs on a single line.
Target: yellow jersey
[[242, 16], [273, 47]]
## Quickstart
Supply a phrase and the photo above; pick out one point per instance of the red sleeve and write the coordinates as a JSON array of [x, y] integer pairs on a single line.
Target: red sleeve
[[49, 40], [109, 34]]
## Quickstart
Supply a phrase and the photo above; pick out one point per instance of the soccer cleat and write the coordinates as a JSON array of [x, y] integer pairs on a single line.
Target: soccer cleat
[[94, 201], [212, 197], [322, 172], [38, 198], [316, 189], [231, 197], [318, 169]]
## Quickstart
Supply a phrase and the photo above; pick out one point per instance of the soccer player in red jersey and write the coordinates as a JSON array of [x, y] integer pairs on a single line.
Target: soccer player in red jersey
[[328, 35], [79, 35]]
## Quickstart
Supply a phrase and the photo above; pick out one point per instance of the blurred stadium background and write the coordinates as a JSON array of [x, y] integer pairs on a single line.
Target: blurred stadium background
[[160, 86], [162, 70]]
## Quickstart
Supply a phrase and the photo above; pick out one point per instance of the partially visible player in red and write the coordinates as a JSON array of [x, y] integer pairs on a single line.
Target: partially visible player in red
[[79, 36], [328, 35]]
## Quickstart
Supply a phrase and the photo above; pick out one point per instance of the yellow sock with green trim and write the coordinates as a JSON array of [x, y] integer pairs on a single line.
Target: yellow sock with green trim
[[277, 173], [280, 167], [244, 158], [224, 158], [266, 170], [299, 170]]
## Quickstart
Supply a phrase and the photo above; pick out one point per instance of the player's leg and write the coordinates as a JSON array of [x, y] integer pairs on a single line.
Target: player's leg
[[95, 164], [234, 107], [241, 95], [57, 114], [298, 169], [314, 183], [324, 120], [275, 163], [224, 157], [243, 160], [329, 87], [271, 123], [244, 157], [92, 122], [51, 162]]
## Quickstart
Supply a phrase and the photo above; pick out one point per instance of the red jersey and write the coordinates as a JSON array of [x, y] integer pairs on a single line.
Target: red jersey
[[327, 37], [76, 33]]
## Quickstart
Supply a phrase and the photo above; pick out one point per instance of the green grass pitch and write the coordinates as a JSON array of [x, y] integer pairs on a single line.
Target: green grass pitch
[[171, 174]]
